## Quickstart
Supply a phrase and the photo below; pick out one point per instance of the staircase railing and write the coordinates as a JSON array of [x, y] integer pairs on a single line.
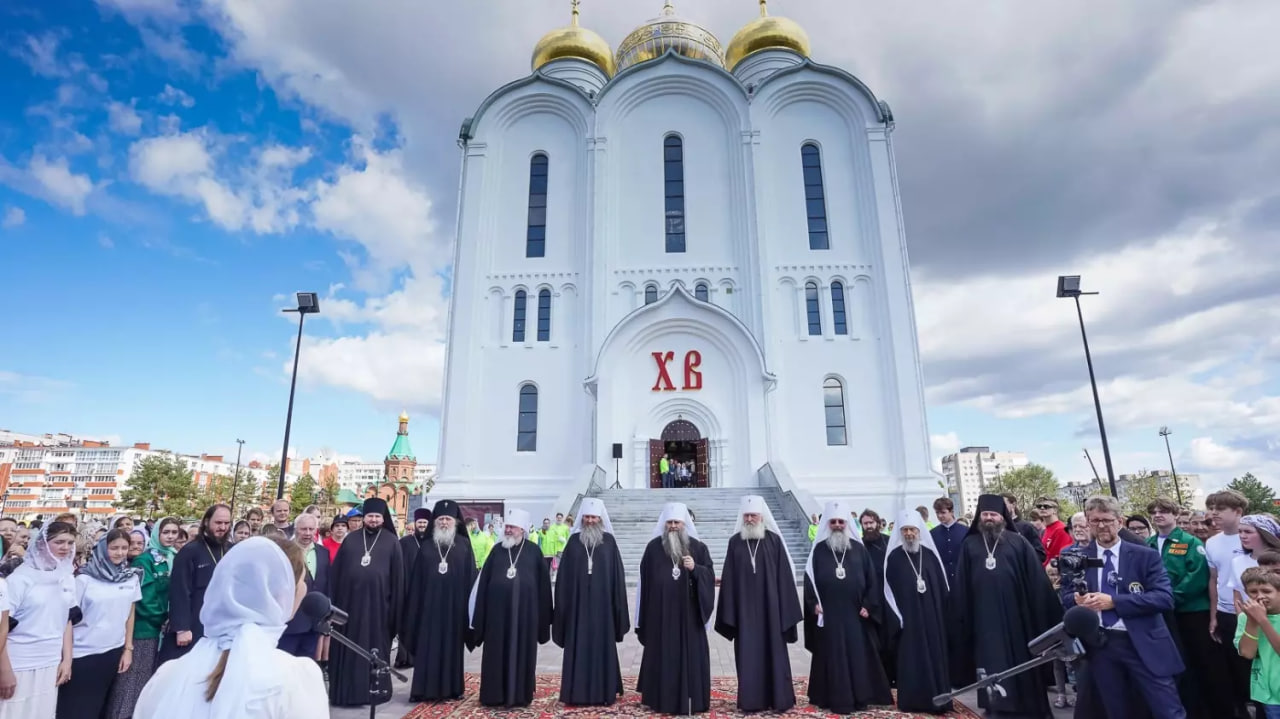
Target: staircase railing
[[797, 502], [588, 482]]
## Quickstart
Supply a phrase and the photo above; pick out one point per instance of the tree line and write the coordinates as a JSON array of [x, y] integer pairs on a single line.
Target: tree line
[[163, 486]]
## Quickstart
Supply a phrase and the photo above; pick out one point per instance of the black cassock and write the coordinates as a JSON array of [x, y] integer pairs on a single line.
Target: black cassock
[[845, 674], [435, 620], [994, 613], [758, 611], [590, 619], [922, 644], [372, 596], [887, 629], [512, 617], [675, 606], [409, 546]]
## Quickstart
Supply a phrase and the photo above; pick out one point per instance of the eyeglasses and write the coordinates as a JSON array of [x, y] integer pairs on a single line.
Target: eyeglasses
[[1046, 506], [1103, 522]]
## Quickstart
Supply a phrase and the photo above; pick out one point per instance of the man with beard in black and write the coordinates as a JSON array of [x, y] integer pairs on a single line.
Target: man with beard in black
[[915, 588], [877, 545], [511, 615], [409, 546], [675, 595], [367, 581], [842, 610], [1002, 599], [192, 569], [435, 614], [590, 616]]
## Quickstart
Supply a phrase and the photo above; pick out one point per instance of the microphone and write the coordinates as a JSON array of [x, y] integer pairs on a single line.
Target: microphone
[[318, 608], [1078, 623]]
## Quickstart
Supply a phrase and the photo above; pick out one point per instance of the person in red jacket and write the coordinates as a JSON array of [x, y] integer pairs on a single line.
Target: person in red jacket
[[1056, 537]]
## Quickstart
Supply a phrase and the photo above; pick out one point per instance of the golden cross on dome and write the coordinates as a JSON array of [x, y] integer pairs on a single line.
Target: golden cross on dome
[[668, 8], [574, 5], [764, 8]]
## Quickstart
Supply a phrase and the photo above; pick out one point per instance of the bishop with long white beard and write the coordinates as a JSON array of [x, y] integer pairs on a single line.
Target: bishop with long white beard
[[511, 615], [590, 615], [843, 613], [759, 609], [435, 617], [675, 595], [915, 588]]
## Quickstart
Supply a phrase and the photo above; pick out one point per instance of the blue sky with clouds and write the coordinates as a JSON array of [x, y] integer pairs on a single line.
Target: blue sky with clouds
[[172, 172]]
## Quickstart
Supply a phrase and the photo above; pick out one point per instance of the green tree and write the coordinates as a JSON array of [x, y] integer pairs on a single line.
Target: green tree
[[245, 495], [1026, 484], [216, 489], [160, 485], [267, 492], [1261, 496], [1141, 489], [302, 494], [327, 497]]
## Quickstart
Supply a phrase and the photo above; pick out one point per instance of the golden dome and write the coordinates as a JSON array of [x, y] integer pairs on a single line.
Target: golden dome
[[669, 32], [404, 416], [574, 41], [767, 33]]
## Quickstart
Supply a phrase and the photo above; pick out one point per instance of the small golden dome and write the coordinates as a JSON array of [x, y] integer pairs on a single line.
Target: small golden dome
[[404, 416], [669, 32], [574, 41], [767, 33]]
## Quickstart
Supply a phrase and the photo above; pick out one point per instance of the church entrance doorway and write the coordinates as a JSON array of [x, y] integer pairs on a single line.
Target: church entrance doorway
[[686, 451]]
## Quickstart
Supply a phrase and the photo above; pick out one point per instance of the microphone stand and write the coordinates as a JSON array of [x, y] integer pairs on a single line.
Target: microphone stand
[[378, 669], [1066, 652]]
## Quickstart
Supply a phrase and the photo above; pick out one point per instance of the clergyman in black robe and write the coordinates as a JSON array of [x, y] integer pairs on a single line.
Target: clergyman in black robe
[[590, 616], [1001, 600], [368, 584], [192, 570], [877, 545], [842, 614], [410, 543], [511, 615], [915, 587], [435, 612], [759, 609], [675, 595]]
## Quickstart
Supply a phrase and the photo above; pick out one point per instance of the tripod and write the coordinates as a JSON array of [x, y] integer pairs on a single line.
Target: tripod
[[379, 670], [1067, 651], [617, 477]]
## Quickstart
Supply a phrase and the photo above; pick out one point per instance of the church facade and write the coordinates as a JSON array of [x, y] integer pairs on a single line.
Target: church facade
[[677, 250]]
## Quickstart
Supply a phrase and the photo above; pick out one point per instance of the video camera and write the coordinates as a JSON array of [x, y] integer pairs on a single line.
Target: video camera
[[1072, 564]]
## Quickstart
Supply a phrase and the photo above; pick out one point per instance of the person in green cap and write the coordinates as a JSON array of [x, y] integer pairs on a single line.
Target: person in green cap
[[481, 542]]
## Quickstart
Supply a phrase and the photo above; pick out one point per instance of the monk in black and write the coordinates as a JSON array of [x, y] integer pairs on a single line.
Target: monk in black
[[192, 569], [435, 614], [675, 597], [409, 546], [590, 615], [367, 581], [759, 610], [916, 590], [511, 616], [840, 592], [887, 628], [1001, 600]]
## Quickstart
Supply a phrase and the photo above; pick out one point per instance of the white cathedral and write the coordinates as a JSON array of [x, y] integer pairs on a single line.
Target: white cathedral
[[686, 251]]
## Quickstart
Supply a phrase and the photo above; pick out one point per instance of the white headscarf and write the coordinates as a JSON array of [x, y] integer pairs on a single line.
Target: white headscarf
[[42, 565], [910, 518], [830, 511], [755, 504], [672, 510], [514, 518], [246, 607], [596, 508]]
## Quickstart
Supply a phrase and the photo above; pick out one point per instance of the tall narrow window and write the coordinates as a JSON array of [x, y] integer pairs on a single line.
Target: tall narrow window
[[833, 408], [815, 201], [673, 177], [700, 292], [544, 315], [521, 309], [812, 312], [650, 294], [535, 243], [837, 308], [527, 425]]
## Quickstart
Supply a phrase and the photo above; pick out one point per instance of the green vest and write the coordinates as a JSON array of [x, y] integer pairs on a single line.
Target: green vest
[[813, 533], [481, 545], [559, 536], [1188, 569]]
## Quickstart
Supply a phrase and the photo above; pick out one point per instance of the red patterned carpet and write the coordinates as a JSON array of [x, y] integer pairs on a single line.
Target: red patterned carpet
[[546, 704]]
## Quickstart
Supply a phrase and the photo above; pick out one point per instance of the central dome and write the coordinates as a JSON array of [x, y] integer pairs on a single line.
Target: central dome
[[666, 32]]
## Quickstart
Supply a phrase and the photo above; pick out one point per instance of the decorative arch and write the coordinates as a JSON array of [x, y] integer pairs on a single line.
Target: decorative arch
[[576, 97], [680, 430], [683, 408], [822, 83], [703, 82]]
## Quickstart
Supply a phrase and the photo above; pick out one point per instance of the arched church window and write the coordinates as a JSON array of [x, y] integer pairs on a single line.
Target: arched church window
[[815, 200], [673, 182], [544, 315], [535, 243], [521, 308], [833, 407], [650, 294], [837, 308], [812, 312], [700, 292], [527, 424]]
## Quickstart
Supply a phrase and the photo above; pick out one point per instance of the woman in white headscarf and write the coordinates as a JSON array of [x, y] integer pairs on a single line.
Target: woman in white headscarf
[[235, 669], [42, 591]]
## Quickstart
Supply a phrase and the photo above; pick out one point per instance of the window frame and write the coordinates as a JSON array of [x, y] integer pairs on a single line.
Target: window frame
[[839, 308], [815, 196], [650, 293], [544, 315], [812, 309], [702, 292], [673, 194], [519, 316], [530, 434], [834, 383], [535, 239]]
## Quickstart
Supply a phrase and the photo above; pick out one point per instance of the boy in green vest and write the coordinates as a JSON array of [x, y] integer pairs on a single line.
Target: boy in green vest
[[1188, 569]]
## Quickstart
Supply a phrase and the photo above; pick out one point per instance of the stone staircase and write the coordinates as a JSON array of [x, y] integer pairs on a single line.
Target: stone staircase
[[634, 512]]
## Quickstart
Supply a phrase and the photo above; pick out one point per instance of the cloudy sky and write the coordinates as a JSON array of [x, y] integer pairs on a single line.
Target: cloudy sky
[[171, 172]]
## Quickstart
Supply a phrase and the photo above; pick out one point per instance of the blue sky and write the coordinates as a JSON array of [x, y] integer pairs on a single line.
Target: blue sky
[[172, 172]]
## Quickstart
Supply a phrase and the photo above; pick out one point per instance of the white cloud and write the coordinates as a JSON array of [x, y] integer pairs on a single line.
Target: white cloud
[[1205, 452], [123, 119], [13, 217], [173, 96], [105, 242], [31, 389], [41, 55], [60, 185]]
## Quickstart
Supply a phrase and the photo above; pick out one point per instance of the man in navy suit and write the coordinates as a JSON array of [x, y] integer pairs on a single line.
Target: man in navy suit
[[948, 535], [1130, 592], [300, 636]]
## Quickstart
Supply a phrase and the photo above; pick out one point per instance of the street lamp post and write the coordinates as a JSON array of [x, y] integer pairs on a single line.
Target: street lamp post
[[235, 482], [1069, 286], [1164, 432], [308, 303]]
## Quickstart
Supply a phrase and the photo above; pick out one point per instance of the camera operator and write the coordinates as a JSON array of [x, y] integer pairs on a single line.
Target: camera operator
[[1130, 591]]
